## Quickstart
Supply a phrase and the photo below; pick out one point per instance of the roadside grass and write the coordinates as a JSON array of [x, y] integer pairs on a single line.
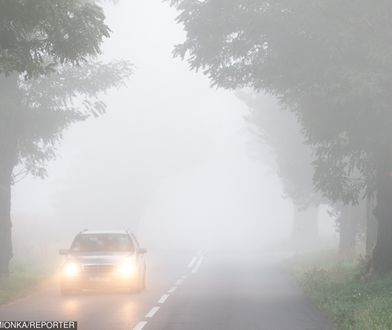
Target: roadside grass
[[24, 277], [348, 301]]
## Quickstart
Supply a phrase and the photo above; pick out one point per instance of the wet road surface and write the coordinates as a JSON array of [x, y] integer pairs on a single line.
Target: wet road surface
[[187, 290]]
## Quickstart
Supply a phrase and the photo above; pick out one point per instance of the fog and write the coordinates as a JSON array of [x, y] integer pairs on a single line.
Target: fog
[[173, 159], [195, 164]]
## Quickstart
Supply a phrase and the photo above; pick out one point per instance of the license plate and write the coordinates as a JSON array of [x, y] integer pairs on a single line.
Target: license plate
[[98, 279]]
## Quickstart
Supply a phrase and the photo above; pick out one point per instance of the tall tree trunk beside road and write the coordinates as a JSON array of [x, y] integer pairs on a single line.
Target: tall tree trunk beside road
[[371, 226], [382, 253], [10, 106], [348, 229], [5, 217]]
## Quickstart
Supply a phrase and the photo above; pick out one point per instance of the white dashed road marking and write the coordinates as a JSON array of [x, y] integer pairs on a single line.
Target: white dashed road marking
[[179, 282], [140, 325], [174, 288], [196, 268], [192, 262], [153, 311], [163, 298], [193, 267]]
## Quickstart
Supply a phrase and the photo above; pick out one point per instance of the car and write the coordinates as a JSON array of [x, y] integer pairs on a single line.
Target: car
[[110, 260]]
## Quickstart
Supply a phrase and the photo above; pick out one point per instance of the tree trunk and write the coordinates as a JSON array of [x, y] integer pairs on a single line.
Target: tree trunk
[[382, 253], [305, 227], [347, 233], [10, 106], [5, 223], [371, 227]]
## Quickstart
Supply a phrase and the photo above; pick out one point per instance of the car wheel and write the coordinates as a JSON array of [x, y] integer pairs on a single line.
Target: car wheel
[[143, 280], [140, 283]]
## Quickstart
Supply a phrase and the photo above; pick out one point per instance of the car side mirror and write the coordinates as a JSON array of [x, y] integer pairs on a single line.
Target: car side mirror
[[141, 250], [63, 252]]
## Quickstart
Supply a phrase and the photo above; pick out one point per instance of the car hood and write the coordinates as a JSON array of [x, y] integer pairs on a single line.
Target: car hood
[[99, 259]]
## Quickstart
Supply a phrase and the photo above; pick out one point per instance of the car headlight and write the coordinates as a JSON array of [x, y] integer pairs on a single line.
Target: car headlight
[[71, 269], [127, 268]]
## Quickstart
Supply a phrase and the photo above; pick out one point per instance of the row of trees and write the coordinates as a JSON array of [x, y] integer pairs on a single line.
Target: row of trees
[[293, 162], [281, 131], [325, 61], [50, 78]]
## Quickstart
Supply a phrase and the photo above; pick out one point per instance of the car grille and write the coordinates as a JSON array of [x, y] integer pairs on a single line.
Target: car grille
[[100, 269]]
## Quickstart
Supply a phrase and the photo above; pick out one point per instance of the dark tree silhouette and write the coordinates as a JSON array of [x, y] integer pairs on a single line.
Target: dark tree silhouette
[[328, 62], [45, 50]]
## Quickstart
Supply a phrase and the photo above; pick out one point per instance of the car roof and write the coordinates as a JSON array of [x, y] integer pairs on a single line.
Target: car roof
[[86, 231]]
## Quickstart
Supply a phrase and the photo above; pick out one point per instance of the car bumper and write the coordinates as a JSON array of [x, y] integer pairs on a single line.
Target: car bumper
[[99, 282]]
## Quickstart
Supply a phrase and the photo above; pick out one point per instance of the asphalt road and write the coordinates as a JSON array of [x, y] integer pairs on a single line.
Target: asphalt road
[[189, 290]]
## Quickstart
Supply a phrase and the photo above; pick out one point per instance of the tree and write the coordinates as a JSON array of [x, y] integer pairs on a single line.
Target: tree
[[293, 161], [38, 36], [51, 103], [350, 223], [45, 46], [327, 61]]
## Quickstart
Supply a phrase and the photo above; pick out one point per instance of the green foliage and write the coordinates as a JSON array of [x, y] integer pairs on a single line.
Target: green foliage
[[51, 103], [328, 61], [36, 37], [49, 78], [349, 302], [17, 285], [24, 277]]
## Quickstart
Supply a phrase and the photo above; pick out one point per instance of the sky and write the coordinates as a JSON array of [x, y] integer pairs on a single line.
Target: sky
[[173, 159]]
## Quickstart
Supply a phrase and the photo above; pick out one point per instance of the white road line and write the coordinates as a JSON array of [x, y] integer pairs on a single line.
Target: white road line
[[196, 268], [163, 298], [172, 289], [140, 325], [153, 311], [179, 282], [195, 263], [190, 265]]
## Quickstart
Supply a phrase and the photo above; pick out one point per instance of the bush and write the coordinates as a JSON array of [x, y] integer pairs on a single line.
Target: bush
[[348, 301]]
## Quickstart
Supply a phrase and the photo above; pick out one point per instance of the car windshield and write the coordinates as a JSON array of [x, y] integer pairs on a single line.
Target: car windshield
[[102, 243]]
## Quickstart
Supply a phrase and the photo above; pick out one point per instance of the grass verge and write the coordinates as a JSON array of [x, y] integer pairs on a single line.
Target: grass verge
[[349, 302], [24, 277]]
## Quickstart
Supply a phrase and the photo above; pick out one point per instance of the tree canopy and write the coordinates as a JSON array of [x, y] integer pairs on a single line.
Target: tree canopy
[[49, 79], [38, 36], [49, 104], [327, 61], [52, 46]]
